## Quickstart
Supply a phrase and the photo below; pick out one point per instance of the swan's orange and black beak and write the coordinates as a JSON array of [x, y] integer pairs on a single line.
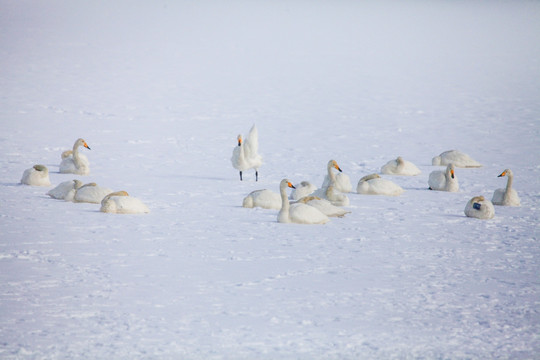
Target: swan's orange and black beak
[[239, 141], [337, 167], [452, 173], [86, 146], [502, 174], [291, 185]]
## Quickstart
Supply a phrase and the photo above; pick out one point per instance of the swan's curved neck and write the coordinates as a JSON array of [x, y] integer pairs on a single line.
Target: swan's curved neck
[[75, 152], [508, 185], [331, 175], [284, 199]]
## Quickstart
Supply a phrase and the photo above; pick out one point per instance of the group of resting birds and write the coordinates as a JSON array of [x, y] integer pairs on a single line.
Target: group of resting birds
[[308, 204], [118, 202]]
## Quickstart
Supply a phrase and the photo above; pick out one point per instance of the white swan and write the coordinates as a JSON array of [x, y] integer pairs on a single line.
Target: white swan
[[375, 185], [507, 196], [91, 193], [298, 213], [265, 199], [329, 190], [75, 163], [444, 180], [120, 202], [323, 206], [38, 175], [301, 190], [400, 166], [480, 208], [341, 181], [455, 157], [245, 155], [65, 190]]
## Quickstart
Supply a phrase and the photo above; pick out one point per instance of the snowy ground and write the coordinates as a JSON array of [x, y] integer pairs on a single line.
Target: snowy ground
[[160, 90]]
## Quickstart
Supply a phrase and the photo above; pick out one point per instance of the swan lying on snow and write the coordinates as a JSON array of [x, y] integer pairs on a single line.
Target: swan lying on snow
[[444, 180], [479, 208], [301, 190], [341, 181], [323, 206], [374, 185], [400, 166], [65, 190], [38, 175], [91, 193], [507, 196], [120, 202], [297, 213], [455, 157], [265, 199], [245, 155], [329, 189], [73, 162]]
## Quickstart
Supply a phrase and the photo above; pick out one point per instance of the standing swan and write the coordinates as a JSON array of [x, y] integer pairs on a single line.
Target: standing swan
[[75, 163], [479, 208], [508, 196], [374, 185], [400, 166], [297, 213], [444, 180], [38, 175], [455, 157], [65, 190], [120, 202], [341, 181], [245, 155]]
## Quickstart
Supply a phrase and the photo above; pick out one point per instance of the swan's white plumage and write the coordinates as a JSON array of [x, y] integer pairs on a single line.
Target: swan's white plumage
[[340, 181], [301, 190], [38, 175], [265, 199], [120, 202], [91, 193], [444, 180], [455, 157], [400, 166], [329, 189], [65, 190], [246, 154], [75, 163], [324, 206], [375, 185], [297, 213], [480, 208], [507, 196]]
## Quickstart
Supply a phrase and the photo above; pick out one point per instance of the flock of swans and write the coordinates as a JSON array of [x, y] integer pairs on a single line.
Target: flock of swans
[[308, 204], [117, 202]]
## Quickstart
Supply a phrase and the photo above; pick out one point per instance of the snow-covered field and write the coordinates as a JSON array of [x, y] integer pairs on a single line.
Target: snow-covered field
[[161, 89]]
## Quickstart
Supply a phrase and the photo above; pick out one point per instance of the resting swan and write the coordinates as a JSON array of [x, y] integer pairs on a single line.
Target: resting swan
[[480, 208], [455, 157], [245, 155], [341, 181], [400, 166], [329, 190], [91, 193], [65, 190], [120, 202], [38, 175], [297, 213], [375, 185], [301, 190], [75, 163], [507, 196], [444, 180], [265, 199], [323, 206]]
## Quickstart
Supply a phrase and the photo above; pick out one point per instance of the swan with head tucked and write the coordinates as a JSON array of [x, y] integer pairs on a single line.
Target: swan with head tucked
[[375, 185], [301, 190], [38, 175], [246, 154], [455, 157], [340, 181], [507, 196], [297, 213], [400, 166], [265, 199], [91, 193], [480, 208], [65, 190], [75, 163], [324, 206], [444, 180], [119, 202]]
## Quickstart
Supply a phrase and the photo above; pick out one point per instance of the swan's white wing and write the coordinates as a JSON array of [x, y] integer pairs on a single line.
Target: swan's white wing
[[304, 214]]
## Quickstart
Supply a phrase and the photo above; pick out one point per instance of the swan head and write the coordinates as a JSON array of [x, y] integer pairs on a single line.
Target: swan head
[[77, 183], [81, 142], [451, 170], [285, 183], [506, 172], [41, 168], [334, 164], [399, 160], [89, 184], [239, 138], [116, 193]]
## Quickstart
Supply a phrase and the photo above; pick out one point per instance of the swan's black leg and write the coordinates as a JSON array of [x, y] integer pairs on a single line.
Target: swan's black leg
[[256, 175], [240, 176]]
